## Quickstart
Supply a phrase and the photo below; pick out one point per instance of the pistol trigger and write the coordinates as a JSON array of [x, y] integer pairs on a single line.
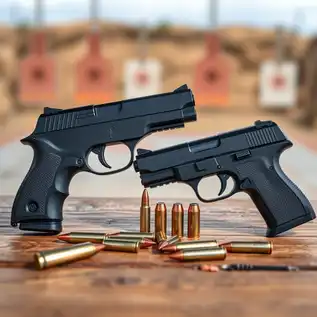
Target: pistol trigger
[[100, 151], [223, 181]]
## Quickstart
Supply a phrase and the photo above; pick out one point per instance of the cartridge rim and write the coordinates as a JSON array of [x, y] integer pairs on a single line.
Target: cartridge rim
[[40, 262]]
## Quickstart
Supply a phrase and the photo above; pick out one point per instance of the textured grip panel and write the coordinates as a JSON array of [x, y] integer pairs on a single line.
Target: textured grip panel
[[280, 202], [40, 179], [39, 201]]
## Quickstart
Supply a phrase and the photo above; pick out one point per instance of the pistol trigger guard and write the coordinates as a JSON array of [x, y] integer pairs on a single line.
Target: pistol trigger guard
[[101, 157], [194, 185], [100, 151], [223, 181], [131, 144], [225, 177]]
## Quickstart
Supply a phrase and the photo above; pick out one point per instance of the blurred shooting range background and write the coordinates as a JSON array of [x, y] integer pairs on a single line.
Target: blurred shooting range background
[[244, 62]]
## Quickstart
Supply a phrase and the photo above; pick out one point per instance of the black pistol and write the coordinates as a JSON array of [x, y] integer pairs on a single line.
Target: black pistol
[[63, 139], [250, 156]]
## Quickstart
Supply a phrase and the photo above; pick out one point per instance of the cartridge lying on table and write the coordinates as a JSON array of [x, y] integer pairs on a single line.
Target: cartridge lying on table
[[186, 245], [207, 254], [121, 245], [265, 247], [50, 258]]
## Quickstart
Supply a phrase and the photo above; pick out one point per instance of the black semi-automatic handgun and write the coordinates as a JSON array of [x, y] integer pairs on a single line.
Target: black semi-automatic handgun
[[63, 139], [250, 156]]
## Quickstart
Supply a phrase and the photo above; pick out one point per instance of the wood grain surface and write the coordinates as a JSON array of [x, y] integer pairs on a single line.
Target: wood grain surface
[[148, 283]]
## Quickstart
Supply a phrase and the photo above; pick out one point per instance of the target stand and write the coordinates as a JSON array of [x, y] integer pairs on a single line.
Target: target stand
[[94, 82], [37, 85], [212, 77]]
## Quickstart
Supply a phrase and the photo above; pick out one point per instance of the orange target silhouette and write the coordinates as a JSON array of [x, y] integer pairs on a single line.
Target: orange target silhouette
[[212, 76], [37, 74], [94, 82]]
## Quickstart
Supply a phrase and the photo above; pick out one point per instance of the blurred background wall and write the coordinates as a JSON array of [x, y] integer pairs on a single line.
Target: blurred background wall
[[244, 60]]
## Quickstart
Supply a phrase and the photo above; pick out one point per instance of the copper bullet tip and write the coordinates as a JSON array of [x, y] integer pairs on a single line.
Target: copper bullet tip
[[145, 201], [147, 243], [227, 246], [209, 268], [160, 206], [64, 237], [99, 247], [177, 256], [113, 234], [177, 207], [193, 207], [169, 248], [162, 245]]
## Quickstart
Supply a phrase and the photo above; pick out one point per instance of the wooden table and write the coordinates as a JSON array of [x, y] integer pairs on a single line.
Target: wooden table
[[148, 283]]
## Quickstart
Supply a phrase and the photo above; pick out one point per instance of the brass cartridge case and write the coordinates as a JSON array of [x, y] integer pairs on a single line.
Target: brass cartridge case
[[160, 217], [144, 243], [178, 220], [132, 234], [121, 245], [160, 237], [145, 213], [51, 258], [169, 241], [191, 245], [193, 222], [80, 237], [264, 247], [208, 254]]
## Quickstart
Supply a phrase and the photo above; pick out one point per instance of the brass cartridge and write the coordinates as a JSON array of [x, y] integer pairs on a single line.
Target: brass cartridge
[[193, 228], [193, 245], [178, 220], [51, 258], [121, 245], [145, 213], [207, 254], [160, 217], [264, 247]]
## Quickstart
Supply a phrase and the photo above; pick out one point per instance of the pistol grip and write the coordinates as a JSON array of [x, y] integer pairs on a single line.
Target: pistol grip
[[39, 201], [280, 202]]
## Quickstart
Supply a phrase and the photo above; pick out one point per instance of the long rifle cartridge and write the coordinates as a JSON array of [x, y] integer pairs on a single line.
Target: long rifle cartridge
[[121, 245], [80, 237], [144, 243], [145, 213], [264, 247], [193, 245], [207, 254], [50, 258]]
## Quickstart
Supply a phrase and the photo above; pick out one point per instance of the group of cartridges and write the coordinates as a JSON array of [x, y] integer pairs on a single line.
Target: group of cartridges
[[87, 244], [193, 249], [177, 223]]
